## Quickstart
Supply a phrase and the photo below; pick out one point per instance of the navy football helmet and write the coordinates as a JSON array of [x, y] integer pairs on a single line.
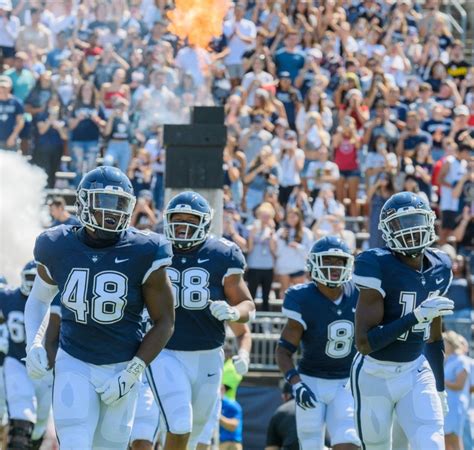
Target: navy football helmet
[[105, 201], [327, 272], [185, 235], [28, 275], [407, 224]]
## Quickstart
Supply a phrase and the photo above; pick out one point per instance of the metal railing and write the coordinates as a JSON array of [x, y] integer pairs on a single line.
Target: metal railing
[[461, 26]]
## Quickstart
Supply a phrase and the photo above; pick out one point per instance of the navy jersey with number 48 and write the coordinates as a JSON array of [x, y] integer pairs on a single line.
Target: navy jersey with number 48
[[12, 307], [328, 337], [198, 276], [101, 289], [403, 289]]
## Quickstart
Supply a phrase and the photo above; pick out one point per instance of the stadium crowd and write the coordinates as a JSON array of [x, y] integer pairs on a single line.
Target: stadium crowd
[[331, 107]]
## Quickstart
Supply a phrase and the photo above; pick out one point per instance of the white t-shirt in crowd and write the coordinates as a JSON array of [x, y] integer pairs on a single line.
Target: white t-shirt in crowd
[[236, 46], [290, 176], [195, 61]]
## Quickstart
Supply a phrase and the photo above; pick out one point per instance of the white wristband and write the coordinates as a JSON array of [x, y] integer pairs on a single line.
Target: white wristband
[[136, 367]]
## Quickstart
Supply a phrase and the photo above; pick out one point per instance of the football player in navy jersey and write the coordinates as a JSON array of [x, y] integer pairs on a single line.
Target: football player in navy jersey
[[106, 273], [321, 317], [398, 318], [29, 401], [207, 277]]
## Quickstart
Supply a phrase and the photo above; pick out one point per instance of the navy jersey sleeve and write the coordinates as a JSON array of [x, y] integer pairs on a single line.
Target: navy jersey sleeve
[[445, 261], [161, 254], [234, 258], [292, 307], [44, 249], [368, 273]]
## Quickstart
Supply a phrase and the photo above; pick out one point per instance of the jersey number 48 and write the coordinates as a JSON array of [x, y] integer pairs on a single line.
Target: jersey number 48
[[110, 296]]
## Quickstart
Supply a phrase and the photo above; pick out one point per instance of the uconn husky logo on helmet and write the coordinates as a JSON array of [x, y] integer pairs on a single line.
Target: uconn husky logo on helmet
[[105, 201], [182, 234], [407, 224], [330, 262], [28, 274]]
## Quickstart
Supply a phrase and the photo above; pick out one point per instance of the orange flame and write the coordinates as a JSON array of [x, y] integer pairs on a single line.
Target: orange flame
[[198, 20]]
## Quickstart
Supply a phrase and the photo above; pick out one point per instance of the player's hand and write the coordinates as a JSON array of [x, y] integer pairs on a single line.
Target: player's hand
[[36, 362], [304, 396], [433, 307], [121, 383], [241, 362], [221, 310], [443, 396]]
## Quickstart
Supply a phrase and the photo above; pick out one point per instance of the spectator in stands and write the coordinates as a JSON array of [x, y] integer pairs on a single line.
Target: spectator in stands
[[346, 143], [381, 125], [315, 100], [237, 116], [292, 162], [293, 242], [144, 217], [325, 204], [452, 171], [254, 138], [457, 66], [262, 172], [86, 122], [118, 132], [271, 196], [49, 136], [313, 138], [9, 29], [233, 229], [289, 59], [299, 199], [378, 193], [412, 136], [61, 52], [438, 127], [11, 115], [35, 34], [456, 372], [289, 96], [240, 34], [255, 79], [321, 172], [281, 431], [230, 423], [234, 169], [140, 171], [379, 161], [261, 250], [461, 130], [23, 80], [59, 213]]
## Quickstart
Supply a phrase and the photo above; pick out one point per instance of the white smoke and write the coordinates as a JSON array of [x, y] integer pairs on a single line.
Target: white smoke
[[21, 199]]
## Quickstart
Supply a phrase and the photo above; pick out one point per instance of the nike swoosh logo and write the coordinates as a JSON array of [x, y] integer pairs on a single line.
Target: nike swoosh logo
[[210, 374], [118, 261], [439, 281], [200, 261]]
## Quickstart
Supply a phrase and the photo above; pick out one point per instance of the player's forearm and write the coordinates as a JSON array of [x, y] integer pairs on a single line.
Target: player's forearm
[[155, 340], [246, 310], [36, 321], [284, 360], [381, 336], [245, 341]]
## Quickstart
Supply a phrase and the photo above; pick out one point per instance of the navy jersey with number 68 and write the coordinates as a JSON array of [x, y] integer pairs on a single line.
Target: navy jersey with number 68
[[328, 336], [403, 289], [101, 289], [198, 276]]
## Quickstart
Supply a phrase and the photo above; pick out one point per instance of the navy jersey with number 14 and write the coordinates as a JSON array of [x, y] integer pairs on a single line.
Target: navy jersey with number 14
[[328, 336], [403, 289]]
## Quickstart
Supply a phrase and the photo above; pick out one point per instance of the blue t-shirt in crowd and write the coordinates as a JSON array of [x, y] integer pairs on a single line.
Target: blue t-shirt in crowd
[[9, 110], [460, 293], [231, 410], [398, 112], [289, 62], [87, 129], [56, 56], [411, 142], [50, 139]]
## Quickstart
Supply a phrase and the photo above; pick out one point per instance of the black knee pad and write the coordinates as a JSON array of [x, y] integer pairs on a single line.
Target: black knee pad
[[19, 434]]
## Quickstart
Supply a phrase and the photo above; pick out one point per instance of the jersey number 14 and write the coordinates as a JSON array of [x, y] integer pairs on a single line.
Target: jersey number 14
[[110, 296]]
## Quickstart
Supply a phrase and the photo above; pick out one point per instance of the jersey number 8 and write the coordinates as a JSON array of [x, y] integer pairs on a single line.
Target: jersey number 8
[[108, 304], [191, 287], [340, 337]]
